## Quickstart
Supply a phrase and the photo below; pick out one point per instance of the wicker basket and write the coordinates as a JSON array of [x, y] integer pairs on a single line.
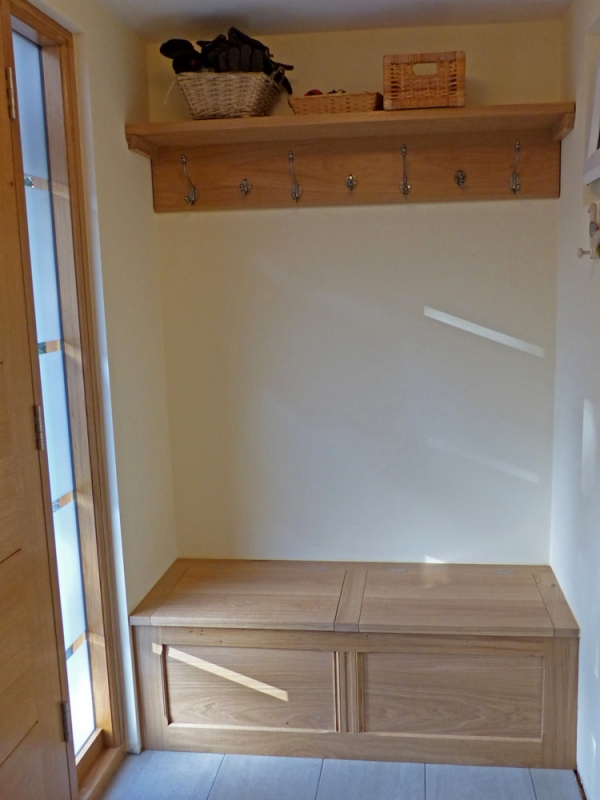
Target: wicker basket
[[336, 103], [214, 95], [405, 89]]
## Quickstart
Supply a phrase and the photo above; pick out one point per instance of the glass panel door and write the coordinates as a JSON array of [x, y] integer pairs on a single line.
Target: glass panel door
[[39, 192]]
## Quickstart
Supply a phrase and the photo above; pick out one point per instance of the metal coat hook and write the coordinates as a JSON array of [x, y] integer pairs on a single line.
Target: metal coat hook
[[460, 178], [404, 184], [193, 192], [245, 186], [515, 181], [351, 182], [296, 188]]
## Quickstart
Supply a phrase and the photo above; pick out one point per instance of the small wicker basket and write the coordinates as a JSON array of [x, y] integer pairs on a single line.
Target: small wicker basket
[[405, 89], [336, 103], [214, 95]]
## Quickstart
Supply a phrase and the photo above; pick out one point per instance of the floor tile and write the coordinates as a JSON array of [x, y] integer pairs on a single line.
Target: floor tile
[[555, 784], [157, 775], [371, 780], [267, 778], [444, 782]]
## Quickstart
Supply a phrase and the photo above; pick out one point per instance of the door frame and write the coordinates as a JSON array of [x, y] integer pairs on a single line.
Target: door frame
[[100, 758]]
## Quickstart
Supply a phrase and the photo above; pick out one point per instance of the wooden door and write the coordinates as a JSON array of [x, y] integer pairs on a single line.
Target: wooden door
[[35, 763]]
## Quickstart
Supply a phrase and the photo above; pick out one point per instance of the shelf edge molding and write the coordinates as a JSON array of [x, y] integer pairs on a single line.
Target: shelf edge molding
[[149, 138]]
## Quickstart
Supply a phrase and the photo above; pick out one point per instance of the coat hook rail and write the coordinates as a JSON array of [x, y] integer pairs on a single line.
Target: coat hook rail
[[193, 192], [515, 181], [405, 186], [296, 188]]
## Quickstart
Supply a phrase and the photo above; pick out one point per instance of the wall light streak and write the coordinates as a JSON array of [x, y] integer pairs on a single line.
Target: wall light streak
[[228, 674], [486, 333], [493, 463]]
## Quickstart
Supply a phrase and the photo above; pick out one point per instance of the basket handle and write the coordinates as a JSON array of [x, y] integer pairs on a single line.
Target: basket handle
[[425, 74]]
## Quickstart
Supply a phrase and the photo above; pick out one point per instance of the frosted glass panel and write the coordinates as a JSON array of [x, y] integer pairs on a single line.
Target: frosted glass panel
[[69, 573], [48, 319], [31, 106], [80, 695], [43, 264], [56, 418]]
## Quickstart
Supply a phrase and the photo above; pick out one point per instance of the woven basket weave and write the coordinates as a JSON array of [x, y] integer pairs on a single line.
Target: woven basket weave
[[405, 89], [336, 103], [214, 95]]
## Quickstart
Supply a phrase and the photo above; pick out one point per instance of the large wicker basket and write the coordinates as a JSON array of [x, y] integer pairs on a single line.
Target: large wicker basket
[[214, 95], [336, 103], [403, 88]]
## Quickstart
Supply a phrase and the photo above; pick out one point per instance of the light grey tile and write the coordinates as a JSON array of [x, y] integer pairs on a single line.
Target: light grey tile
[[157, 775], [127, 776], [371, 780], [267, 778], [555, 784], [444, 782]]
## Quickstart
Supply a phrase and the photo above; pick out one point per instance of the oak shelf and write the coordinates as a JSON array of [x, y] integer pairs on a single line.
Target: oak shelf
[[478, 140]]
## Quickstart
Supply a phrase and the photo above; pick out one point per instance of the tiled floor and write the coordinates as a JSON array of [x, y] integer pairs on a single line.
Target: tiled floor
[[198, 776]]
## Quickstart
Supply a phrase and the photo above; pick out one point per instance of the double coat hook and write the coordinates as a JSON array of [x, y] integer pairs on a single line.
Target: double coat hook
[[296, 188], [192, 195], [515, 182], [404, 183]]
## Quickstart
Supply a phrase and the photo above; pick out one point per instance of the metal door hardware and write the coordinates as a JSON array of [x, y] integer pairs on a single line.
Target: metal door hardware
[[10, 91], [40, 431]]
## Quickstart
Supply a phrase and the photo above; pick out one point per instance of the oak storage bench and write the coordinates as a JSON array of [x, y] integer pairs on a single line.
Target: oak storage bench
[[463, 664]]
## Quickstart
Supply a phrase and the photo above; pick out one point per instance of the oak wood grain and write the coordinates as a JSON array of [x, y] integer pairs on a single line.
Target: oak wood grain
[[191, 133], [29, 525], [18, 712], [565, 624], [560, 698], [456, 695], [149, 662], [279, 612], [22, 773], [348, 613], [356, 642], [254, 688], [457, 668], [483, 751], [322, 167], [443, 597], [142, 614], [261, 578]]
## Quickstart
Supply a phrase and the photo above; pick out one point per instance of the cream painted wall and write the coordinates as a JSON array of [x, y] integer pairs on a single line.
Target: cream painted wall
[[113, 90], [507, 63], [124, 231], [315, 411], [575, 544]]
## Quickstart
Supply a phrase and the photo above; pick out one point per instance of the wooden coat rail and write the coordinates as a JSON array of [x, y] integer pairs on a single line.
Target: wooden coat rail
[[426, 155]]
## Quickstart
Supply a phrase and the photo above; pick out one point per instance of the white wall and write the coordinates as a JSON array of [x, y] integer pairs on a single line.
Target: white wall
[[575, 547], [113, 90], [317, 413]]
